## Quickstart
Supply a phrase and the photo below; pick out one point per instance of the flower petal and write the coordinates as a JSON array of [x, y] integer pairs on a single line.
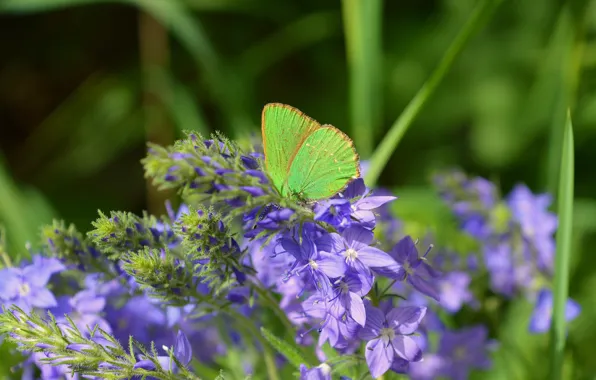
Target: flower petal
[[407, 348], [424, 287], [357, 235], [357, 311], [9, 283], [331, 243], [42, 298], [405, 320], [404, 250], [375, 258], [379, 357], [182, 348], [331, 264], [374, 322], [572, 310], [370, 203]]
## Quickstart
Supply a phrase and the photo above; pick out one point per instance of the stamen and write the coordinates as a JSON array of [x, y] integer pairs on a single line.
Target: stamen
[[428, 250]]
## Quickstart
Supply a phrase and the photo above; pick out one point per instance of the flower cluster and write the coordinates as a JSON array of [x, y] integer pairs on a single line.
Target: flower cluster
[[516, 235], [239, 266]]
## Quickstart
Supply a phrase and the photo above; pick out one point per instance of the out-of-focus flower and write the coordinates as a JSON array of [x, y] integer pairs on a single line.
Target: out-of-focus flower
[[538, 225], [543, 311], [26, 287], [453, 290], [462, 351], [320, 372]]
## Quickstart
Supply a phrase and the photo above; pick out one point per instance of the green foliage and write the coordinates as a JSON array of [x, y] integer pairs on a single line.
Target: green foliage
[[162, 274], [83, 351], [79, 132], [288, 351], [122, 232]]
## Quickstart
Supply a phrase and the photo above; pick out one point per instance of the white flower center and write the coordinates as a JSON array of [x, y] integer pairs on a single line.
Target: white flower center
[[460, 353], [351, 254], [387, 334], [24, 290], [313, 265], [343, 287], [325, 368], [407, 268]]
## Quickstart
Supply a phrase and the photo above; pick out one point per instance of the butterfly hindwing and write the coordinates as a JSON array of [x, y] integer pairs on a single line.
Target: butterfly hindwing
[[323, 165], [284, 129]]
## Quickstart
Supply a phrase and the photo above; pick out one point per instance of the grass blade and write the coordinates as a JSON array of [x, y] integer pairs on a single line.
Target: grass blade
[[283, 348], [362, 29], [383, 152], [563, 253]]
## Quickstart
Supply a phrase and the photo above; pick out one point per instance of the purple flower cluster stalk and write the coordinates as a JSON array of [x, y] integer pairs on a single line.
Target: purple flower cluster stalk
[[516, 234]]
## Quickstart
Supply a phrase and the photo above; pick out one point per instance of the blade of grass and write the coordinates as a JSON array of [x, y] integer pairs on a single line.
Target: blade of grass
[[362, 29], [563, 252], [383, 152]]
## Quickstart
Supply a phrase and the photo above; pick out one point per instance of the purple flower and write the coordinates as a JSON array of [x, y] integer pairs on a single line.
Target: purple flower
[[48, 371], [318, 264], [335, 212], [321, 372], [347, 301], [84, 309], [363, 204], [543, 310], [389, 337], [272, 220], [26, 287], [454, 292], [462, 351], [339, 333], [537, 223], [414, 268], [354, 246], [182, 352], [432, 367], [362, 209]]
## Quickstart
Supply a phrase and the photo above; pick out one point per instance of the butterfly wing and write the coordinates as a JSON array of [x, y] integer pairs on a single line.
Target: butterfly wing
[[284, 130], [325, 163]]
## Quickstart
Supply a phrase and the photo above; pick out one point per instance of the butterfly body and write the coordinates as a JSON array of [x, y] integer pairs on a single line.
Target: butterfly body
[[304, 159]]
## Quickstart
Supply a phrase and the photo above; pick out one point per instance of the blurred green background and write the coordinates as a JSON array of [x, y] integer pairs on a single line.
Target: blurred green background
[[85, 83]]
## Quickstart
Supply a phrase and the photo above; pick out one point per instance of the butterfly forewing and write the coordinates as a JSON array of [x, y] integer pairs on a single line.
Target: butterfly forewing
[[284, 130], [324, 164]]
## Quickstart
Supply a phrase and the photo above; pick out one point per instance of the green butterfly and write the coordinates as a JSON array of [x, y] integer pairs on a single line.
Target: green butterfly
[[306, 160]]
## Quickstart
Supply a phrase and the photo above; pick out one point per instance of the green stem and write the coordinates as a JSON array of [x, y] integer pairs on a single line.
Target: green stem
[[362, 29], [273, 305], [563, 253], [383, 152]]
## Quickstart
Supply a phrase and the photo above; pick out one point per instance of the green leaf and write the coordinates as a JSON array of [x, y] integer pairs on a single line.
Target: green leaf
[[284, 348], [563, 253]]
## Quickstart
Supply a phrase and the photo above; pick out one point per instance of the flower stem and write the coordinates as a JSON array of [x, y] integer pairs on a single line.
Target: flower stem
[[388, 144]]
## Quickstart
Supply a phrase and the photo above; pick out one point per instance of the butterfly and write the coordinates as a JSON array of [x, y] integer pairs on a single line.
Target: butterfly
[[304, 159]]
